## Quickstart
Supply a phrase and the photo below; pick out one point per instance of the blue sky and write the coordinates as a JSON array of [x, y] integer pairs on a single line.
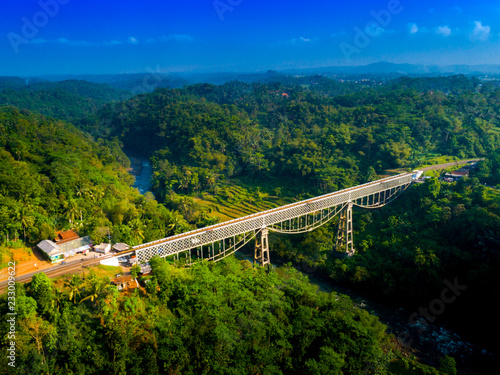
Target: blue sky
[[128, 36]]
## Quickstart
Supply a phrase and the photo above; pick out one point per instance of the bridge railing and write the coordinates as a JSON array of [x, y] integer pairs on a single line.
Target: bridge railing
[[254, 222]]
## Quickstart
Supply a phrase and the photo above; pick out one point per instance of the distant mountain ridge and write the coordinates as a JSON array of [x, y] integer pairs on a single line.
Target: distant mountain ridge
[[137, 83], [392, 68], [146, 82]]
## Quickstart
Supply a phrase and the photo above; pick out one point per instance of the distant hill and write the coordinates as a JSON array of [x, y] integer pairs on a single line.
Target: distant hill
[[135, 83], [399, 69], [85, 89], [67, 100], [147, 82], [7, 82]]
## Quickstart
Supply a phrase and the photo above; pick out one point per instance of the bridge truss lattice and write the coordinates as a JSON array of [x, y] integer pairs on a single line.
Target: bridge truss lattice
[[217, 241]]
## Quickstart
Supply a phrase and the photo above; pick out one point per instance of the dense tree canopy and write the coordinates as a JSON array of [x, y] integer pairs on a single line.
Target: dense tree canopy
[[298, 133], [214, 318], [52, 177], [301, 136]]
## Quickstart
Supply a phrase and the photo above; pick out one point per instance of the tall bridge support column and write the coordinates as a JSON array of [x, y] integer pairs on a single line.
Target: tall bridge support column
[[344, 233], [262, 248]]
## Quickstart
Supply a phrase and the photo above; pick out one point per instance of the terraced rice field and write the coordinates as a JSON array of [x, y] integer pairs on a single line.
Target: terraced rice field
[[235, 201]]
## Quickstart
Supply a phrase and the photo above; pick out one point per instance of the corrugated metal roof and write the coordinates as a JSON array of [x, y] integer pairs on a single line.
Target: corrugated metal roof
[[121, 246], [48, 247], [77, 244]]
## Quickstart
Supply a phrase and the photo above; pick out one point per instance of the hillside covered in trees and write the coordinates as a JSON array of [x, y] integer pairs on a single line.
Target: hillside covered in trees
[[69, 100], [295, 133], [253, 145], [52, 177], [214, 318]]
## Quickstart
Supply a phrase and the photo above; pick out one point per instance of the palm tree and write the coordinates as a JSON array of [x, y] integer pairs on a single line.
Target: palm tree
[[97, 289], [212, 179], [96, 193], [80, 191], [137, 230], [184, 183], [72, 210], [74, 287], [58, 297], [25, 218], [186, 204], [174, 222]]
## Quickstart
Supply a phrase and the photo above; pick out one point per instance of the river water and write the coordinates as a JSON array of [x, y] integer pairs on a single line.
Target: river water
[[141, 169]]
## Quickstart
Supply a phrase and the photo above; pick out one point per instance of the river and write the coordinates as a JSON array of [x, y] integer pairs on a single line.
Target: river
[[141, 169]]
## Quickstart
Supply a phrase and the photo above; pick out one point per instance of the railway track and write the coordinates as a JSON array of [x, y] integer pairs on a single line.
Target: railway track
[[259, 214], [57, 270]]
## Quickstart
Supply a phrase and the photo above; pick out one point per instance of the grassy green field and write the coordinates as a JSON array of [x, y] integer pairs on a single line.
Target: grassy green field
[[443, 159]]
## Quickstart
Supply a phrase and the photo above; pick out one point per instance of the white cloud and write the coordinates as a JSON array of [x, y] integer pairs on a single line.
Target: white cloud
[[443, 30], [180, 37], [111, 43], [413, 28], [480, 32], [373, 29], [300, 40]]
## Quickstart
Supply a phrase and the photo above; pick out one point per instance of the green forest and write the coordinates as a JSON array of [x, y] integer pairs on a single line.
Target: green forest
[[53, 176], [223, 151], [214, 318]]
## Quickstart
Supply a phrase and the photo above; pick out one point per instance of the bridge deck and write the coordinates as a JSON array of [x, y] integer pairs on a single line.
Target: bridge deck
[[229, 229]]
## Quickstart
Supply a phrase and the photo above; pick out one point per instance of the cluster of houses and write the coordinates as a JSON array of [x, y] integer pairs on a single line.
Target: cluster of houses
[[459, 174], [68, 243], [125, 282]]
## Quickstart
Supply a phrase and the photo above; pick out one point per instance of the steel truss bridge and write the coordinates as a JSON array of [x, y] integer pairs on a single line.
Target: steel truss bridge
[[218, 241]]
